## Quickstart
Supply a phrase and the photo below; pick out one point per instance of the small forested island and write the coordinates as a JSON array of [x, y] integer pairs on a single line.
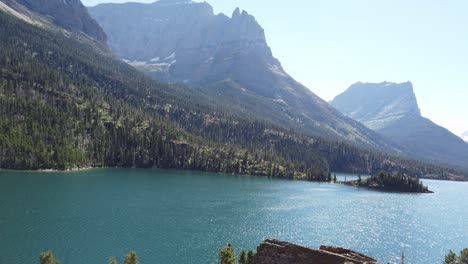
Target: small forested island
[[387, 181]]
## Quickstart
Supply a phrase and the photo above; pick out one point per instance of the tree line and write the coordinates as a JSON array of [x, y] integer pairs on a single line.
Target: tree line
[[227, 255], [49, 258]]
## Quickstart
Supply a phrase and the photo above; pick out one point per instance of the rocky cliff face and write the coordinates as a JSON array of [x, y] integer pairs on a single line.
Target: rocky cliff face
[[392, 110], [378, 104], [68, 14], [228, 57], [281, 252], [182, 41]]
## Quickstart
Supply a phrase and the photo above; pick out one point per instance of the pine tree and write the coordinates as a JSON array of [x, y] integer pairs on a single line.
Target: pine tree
[[131, 258], [451, 258], [251, 257], [243, 257], [48, 258], [463, 258], [227, 255]]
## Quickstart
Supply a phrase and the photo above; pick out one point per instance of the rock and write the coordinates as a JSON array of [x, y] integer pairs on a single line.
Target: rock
[[377, 105], [69, 14], [281, 252]]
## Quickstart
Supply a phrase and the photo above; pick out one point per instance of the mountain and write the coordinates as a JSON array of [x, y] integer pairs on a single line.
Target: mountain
[[464, 136], [227, 58], [71, 15], [395, 101], [66, 102], [392, 110]]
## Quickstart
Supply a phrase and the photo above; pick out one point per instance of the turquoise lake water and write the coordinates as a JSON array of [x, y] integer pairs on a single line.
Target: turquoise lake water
[[185, 217]]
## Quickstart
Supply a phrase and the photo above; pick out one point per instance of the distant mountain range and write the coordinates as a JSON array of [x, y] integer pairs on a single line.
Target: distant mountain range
[[227, 58], [392, 110]]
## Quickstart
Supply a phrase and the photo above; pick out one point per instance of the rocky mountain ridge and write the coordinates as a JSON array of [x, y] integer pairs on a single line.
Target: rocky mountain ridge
[[71, 15]]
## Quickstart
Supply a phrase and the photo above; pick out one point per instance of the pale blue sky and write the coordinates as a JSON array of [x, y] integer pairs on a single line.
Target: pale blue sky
[[329, 44]]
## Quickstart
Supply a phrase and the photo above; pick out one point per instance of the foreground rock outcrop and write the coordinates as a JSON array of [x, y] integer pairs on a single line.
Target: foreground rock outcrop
[[281, 252]]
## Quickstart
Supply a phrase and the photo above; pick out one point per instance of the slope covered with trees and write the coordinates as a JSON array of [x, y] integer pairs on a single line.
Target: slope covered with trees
[[64, 105]]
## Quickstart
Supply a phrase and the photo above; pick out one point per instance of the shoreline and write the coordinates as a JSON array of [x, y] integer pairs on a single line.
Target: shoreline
[[87, 168], [53, 170]]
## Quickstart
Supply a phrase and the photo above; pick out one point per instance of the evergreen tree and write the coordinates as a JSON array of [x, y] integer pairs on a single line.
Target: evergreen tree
[[251, 257], [227, 255], [112, 260], [243, 257], [48, 258], [463, 258], [131, 258], [450, 258]]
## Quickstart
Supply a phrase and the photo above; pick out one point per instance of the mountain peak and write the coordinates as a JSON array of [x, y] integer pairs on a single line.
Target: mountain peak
[[376, 104], [236, 12]]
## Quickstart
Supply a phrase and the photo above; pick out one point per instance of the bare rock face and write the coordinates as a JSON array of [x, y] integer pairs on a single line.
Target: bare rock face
[[281, 252], [72, 15], [377, 105]]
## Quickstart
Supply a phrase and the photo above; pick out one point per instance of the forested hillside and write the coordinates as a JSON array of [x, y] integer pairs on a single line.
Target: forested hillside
[[65, 104]]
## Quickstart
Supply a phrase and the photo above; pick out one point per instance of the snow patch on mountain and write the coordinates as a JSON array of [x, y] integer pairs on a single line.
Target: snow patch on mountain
[[170, 57], [280, 101], [154, 65]]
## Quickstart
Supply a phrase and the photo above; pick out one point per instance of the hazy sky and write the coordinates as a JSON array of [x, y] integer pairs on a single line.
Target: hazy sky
[[329, 44]]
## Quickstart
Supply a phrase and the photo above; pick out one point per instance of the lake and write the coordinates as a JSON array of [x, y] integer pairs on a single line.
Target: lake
[[185, 217]]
